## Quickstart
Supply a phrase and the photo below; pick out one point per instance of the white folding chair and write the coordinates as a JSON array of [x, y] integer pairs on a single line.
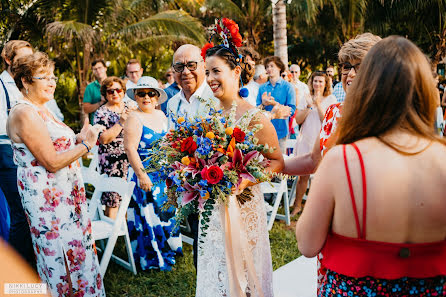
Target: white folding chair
[[102, 226], [280, 190]]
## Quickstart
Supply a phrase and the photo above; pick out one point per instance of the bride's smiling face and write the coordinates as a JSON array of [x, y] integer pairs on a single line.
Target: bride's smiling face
[[223, 80]]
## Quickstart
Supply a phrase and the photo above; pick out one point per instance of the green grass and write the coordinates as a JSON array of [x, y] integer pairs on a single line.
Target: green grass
[[181, 280]]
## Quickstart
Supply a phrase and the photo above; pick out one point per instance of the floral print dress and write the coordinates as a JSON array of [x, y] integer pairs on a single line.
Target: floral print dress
[[57, 213], [112, 157]]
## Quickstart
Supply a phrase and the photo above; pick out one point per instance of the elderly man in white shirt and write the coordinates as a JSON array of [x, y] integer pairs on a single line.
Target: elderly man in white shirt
[[303, 90], [19, 235], [189, 72]]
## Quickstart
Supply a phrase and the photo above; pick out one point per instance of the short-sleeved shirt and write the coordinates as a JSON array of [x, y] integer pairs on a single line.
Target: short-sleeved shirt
[[171, 91], [303, 93], [329, 124], [339, 93], [92, 95], [284, 93]]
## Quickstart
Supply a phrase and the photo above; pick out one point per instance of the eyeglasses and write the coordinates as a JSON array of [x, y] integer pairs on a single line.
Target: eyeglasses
[[47, 79], [151, 94], [112, 91], [346, 67], [191, 65]]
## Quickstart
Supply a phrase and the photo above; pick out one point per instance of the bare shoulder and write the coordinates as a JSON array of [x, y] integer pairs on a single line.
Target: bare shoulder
[[23, 113], [333, 159], [160, 114]]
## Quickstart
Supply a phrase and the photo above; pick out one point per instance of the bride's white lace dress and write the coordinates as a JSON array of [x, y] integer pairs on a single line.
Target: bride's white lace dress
[[214, 274]]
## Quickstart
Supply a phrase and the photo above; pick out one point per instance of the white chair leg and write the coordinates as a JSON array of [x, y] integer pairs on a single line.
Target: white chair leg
[[128, 246], [107, 254], [286, 207], [275, 208]]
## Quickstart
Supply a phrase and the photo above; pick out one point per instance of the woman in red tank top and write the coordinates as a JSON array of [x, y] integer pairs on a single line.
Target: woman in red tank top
[[376, 207]]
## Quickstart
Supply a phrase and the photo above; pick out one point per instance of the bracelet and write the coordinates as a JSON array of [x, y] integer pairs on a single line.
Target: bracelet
[[87, 146]]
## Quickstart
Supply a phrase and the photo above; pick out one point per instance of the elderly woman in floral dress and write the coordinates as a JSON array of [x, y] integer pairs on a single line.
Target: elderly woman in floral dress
[[50, 183]]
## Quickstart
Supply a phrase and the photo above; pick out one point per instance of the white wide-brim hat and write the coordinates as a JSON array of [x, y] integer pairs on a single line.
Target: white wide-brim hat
[[148, 82]]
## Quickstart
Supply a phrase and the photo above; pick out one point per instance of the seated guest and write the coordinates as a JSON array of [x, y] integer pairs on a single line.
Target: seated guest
[[112, 158], [154, 240], [381, 226], [50, 183], [274, 92]]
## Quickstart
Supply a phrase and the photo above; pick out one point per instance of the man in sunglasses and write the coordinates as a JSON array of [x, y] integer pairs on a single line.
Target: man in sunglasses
[[189, 73], [92, 95]]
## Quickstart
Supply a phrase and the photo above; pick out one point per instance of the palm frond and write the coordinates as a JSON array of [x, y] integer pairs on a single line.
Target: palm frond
[[71, 31], [174, 23], [306, 8], [225, 7]]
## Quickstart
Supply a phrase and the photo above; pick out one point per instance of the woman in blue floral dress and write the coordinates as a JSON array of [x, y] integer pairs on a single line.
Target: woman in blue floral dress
[[50, 184], [154, 240]]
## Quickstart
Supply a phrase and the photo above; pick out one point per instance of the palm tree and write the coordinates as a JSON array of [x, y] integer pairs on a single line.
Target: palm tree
[[423, 21], [279, 30]]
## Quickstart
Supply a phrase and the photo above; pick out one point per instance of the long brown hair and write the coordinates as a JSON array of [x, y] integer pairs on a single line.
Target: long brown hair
[[327, 88], [393, 89]]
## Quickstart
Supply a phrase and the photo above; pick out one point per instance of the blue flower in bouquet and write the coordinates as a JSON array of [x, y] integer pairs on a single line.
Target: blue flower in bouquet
[[176, 179], [203, 193], [223, 120], [228, 184], [204, 145], [203, 183], [180, 189]]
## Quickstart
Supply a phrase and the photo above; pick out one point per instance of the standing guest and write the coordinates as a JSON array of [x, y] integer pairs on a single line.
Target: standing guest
[[330, 72], [302, 88], [339, 92], [260, 76], [171, 90], [251, 57], [155, 241], [50, 183], [112, 158], [350, 57], [92, 95], [310, 115], [19, 236], [189, 72], [277, 91], [169, 77], [133, 71], [376, 237]]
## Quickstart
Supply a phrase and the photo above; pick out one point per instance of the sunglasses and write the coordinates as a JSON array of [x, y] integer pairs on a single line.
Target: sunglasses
[[346, 67], [294, 71], [179, 67], [112, 91], [151, 94]]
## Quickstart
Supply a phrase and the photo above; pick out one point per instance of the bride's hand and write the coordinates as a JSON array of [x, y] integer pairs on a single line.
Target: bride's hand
[[243, 185]]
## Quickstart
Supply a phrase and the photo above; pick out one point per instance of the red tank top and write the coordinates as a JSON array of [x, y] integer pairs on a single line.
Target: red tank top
[[358, 257]]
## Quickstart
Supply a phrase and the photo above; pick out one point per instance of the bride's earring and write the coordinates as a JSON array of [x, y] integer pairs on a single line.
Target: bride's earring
[[26, 91]]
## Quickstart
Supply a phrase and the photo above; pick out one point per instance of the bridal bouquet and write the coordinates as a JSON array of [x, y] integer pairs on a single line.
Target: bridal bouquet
[[204, 158]]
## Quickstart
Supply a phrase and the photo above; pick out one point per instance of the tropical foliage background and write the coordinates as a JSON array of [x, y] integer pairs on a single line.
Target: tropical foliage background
[[306, 32]]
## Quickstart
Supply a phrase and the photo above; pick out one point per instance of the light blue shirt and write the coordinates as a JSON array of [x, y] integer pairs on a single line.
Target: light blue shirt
[[283, 92], [339, 92]]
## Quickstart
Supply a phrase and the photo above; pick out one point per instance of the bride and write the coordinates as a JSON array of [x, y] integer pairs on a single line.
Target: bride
[[236, 264]]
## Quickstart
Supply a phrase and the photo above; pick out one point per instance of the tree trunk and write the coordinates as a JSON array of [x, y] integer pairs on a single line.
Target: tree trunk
[[279, 30]]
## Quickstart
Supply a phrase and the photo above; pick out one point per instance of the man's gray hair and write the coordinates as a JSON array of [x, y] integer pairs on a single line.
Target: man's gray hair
[[259, 70]]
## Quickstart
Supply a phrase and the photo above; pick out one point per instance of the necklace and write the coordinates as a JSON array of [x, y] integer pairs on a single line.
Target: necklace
[[140, 109]]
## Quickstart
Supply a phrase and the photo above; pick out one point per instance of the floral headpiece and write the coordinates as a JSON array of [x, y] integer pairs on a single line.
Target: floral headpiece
[[228, 31]]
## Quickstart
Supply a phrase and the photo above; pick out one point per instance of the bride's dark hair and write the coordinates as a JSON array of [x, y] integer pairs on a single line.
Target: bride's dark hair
[[225, 54]]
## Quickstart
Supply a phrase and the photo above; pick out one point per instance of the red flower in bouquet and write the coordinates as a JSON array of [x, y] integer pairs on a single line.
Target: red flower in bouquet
[[188, 145], [238, 134], [212, 174], [205, 48]]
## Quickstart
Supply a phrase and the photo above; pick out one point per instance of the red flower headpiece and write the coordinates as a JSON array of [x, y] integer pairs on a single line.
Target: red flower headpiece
[[228, 30]]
